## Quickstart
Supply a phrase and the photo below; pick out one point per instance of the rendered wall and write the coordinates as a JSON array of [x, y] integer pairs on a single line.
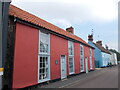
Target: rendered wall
[[25, 72], [77, 57], [97, 55], [58, 47], [86, 55]]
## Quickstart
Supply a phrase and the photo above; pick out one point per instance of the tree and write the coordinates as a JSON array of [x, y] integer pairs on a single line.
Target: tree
[[117, 53]]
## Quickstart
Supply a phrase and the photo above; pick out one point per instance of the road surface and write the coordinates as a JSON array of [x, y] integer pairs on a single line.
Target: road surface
[[102, 78], [105, 79]]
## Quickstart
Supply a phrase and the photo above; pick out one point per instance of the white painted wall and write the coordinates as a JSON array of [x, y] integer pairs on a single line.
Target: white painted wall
[[113, 58]]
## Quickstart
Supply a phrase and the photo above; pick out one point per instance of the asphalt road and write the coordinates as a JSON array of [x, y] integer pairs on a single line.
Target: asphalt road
[[105, 79], [102, 78]]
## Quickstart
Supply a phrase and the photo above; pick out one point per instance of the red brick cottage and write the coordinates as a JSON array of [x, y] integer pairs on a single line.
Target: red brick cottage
[[39, 51]]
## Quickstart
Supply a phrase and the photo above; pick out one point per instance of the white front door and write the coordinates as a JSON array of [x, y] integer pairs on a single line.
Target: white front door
[[63, 67], [86, 61], [90, 62]]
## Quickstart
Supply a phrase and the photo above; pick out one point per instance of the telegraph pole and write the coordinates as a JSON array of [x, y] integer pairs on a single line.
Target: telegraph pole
[[4, 10], [1, 71]]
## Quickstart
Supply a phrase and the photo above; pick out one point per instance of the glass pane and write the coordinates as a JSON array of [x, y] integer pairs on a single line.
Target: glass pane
[[40, 59], [43, 72], [46, 60], [81, 64], [44, 42], [70, 48], [71, 64]]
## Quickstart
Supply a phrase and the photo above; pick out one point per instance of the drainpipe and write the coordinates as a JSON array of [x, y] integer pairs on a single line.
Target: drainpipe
[[4, 10]]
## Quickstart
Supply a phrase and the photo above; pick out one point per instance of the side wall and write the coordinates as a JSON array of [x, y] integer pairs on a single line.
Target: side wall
[[105, 58], [77, 57], [25, 57], [93, 59], [86, 55], [97, 55], [58, 47], [25, 71]]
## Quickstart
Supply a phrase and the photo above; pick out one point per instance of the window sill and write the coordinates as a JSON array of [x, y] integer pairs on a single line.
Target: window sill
[[40, 81]]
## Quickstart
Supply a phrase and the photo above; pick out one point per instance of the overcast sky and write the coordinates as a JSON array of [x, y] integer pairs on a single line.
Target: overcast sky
[[83, 15]]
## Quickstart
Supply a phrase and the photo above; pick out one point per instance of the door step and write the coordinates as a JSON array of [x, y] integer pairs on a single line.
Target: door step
[[64, 79]]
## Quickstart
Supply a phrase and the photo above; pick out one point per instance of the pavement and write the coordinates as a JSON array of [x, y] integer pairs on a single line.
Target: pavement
[[100, 78]]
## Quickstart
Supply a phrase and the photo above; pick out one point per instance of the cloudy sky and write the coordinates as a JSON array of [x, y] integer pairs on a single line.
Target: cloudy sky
[[83, 15]]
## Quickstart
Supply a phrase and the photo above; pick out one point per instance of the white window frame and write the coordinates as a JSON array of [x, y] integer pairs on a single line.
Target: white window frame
[[73, 65], [48, 44], [41, 54], [72, 46], [71, 56], [82, 58], [91, 58]]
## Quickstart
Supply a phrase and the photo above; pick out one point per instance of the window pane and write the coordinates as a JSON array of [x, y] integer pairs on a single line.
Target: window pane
[[43, 71], [44, 42], [70, 48], [82, 63], [71, 64]]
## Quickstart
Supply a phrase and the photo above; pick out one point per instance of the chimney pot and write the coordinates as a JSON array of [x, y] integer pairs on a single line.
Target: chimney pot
[[70, 29], [99, 42], [106, 47], [90, 37]]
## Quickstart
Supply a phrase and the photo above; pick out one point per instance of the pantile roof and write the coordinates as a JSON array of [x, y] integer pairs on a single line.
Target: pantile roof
[[101, 48], [23, 15]]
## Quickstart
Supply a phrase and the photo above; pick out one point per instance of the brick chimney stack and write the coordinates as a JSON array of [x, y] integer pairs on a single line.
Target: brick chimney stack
[[90, 38], [106, 47], [70, 29], [99, 42]]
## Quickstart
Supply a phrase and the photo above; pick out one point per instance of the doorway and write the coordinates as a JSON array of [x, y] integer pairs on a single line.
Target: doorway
[[63, 67]]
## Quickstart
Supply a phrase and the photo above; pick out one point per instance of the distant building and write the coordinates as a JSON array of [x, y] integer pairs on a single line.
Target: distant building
[[102, 55], [113, 58]]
